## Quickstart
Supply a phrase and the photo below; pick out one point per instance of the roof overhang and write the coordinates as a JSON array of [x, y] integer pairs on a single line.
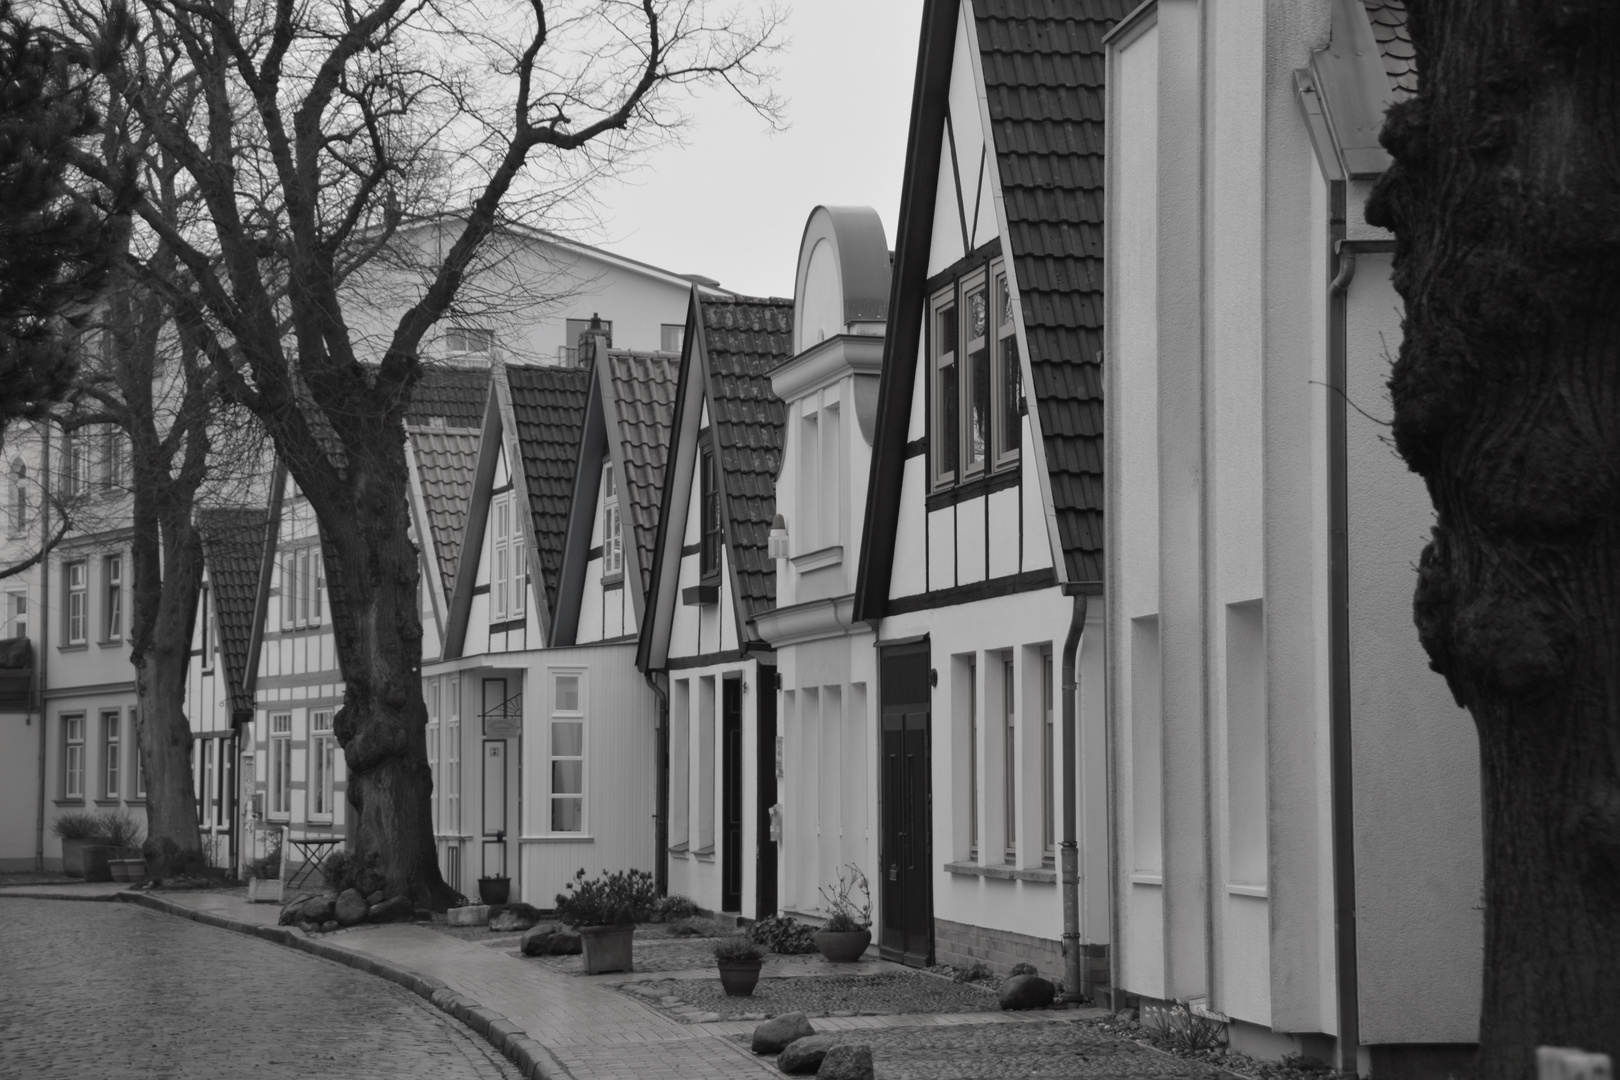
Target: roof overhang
[[1344, 93]]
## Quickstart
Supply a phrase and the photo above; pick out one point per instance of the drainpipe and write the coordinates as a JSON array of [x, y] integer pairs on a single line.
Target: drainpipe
[[1069, 851], [44, 639], [661, 800]]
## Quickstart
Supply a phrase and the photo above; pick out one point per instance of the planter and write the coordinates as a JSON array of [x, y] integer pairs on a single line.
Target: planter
[[607, 948], [494, 890], [119, 868], [842, 946], [264, 890], [97, 858], [739, 976], [136, 868], [73, 854]]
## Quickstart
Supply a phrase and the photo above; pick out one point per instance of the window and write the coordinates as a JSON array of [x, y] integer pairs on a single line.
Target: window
[[709, 512], [280, 764], [973, 757], [322, 762], [112, 457], [109, 754], [820, 521], [288, 589], [705, 750], [509, 579], [612, 538], [76, 574], [466, 339], [18, 519], [112, 572], [73, 756], [1048, 762], [680, 763], [75, 464], [302, 583], [17, 614], [1009, 758], [976, 386], [137, 762], [205, 628], [207, 752], [227, 780], [567, 755], [452, 754], [301, 570], [671, 337], [430, 698]]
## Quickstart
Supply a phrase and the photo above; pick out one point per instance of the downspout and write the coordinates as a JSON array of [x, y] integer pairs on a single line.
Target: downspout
[[44, 640], [660, 689], [1070, 848]]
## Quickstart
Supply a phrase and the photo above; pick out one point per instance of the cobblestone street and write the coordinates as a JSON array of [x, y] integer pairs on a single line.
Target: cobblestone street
[[112, 990]]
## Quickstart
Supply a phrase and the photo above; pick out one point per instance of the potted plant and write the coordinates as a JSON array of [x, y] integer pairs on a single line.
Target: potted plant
[[739, 960], [605, 910], [123, 832], [496, 889], [264, 872], [78, 830], [848, 929]]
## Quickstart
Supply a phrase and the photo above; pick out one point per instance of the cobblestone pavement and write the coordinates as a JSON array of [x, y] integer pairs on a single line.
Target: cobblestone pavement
[[115, 991]]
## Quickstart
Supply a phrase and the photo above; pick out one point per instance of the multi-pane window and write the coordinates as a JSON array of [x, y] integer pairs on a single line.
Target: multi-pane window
[[1009, 758], [467, 339], [73, 756], [17, 614], [509, 578], [973, 757], [612, 533], [205, 628], [976, 395], [109, 753], [709, 513], [77, 574], [322, 763], [430, 697], [75, 464], [302, 585], [137, 762], [112, 570], [452, 754], [280, 764], [671, 337], [18, 519], [207, 752], [112, 457], [567, 755], [1048, 761]]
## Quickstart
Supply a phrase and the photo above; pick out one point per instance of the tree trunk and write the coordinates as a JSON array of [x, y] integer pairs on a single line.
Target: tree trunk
[[1506, 210], [173, 844]]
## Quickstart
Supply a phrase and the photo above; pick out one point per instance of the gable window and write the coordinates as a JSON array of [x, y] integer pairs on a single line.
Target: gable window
[[109, 753], [112, 569], [280, 764], [205, 629], [709, 514], [568, 755], [976, 397], [612, 534], [302, 582], [322, 763], [73, 756], [509, 577], [77, 575]]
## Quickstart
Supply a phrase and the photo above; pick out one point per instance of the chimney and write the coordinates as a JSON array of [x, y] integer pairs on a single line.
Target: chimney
[[593, 342]]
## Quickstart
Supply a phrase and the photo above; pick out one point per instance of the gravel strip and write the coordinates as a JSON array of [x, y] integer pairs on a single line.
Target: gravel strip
[[657, 954], [704, 1000]]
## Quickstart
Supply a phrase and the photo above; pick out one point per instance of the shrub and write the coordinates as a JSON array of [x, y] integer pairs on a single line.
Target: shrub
[[79, 825], [976, 972], [1024, 969], [845, 913], [1180, 1029], [623, 896], [121, 828], [783, 935], [737, 949], [694, 927], [674, 907]]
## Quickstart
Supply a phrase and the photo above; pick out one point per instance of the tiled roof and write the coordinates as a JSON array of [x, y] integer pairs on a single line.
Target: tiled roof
[[453, 396], [744, 338], [233, 545], [446, 459], [1044, 67], [548, 408], [1388, 19], [644, 397]]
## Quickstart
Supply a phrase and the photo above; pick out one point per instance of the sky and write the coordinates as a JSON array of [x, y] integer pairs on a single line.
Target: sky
[[731, 202]]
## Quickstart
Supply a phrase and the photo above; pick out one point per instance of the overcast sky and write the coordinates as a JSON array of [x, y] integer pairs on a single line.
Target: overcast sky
[[731, 203]]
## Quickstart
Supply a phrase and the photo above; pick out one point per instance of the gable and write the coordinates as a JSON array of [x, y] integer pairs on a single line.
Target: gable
[[233, 552], [548, 416]]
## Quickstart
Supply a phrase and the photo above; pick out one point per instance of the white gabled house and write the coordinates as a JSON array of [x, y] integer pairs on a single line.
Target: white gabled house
[[712, 577], [982, 556]]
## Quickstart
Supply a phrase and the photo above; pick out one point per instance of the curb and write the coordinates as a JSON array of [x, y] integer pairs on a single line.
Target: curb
[[529, 1055]]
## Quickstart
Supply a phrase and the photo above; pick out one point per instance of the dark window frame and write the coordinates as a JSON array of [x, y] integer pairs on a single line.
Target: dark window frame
[[948, 422], [710, 532]]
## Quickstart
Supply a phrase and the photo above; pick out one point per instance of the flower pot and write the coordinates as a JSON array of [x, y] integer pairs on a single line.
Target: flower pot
[[119, 868], [73, 854], [96, 860], [264, 890], [494, 890], [607, 948], [842, 946], [739, 976], [136, 869]]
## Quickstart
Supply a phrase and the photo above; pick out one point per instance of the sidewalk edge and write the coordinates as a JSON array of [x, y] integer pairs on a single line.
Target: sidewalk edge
[[532, 1059]]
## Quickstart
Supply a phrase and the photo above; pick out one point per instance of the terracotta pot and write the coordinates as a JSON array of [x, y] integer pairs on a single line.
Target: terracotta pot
[[494, 890], [73, 854], [607, 948], [842, 946], [739, 976]]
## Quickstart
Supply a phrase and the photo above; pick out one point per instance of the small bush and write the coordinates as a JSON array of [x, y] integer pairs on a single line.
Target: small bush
[[79, 825], [121, 828], [846, 913], [1181, 1030], [674, 908], [1025, 969], [737, 949], [783, 935], [976, 972], [694, 927], [611, 899]]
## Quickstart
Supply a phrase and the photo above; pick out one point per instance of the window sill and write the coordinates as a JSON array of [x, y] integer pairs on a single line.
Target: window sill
[[816, 560], [74, 647], [1259, 891], [1004, 873], [111, 643], [613, 581], [506, 626], [700, 595], [951, 494], [138, 800], [1145, 878], [70, 802], [558, 838], [113, 801]]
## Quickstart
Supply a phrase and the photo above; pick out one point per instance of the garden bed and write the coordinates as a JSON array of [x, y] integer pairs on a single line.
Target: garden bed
[[881, 994]]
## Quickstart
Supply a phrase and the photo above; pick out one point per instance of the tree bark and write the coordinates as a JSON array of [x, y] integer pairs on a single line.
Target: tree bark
[[1505, 204]]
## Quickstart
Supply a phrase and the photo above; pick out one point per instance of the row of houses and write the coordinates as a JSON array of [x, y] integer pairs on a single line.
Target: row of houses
[[1066, 597]]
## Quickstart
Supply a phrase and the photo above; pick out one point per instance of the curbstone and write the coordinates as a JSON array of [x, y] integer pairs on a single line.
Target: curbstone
[[501, 1033]]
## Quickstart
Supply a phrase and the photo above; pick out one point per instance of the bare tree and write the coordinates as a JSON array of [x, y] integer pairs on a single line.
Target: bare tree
[[319, 129], [1505, 204]]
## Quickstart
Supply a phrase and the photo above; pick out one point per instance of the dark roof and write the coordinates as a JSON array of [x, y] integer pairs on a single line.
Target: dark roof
[[1388, 18], [454, 396], [548, 409], [743, 339], [233, 545], [446, 459], [1044, 67], [644, 398]]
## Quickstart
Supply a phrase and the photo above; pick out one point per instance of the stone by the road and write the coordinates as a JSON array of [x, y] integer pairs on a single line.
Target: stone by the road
[[317, 909], [468, 915], [351, 908], [1027, 992], [510, 921], [774, 1034], [802, 1057], [550, 939], [376, 896], [293, 910], [847, 1061], [394, 909]]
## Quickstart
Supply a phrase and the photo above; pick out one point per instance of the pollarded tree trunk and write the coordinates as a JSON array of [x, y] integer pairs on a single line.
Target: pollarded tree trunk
[[1505, 202]]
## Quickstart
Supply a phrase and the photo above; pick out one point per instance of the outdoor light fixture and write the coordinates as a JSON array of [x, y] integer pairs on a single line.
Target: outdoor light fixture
[[778, 543]]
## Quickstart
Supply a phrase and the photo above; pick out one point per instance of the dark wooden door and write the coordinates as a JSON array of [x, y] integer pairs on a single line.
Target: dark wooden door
[[731, 808], [765, 768], [906, 908]]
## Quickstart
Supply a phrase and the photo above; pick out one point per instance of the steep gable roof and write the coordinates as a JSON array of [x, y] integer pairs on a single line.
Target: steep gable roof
[[446, 459], [449, 396], [548, 413], [643, 401], [233, 545]]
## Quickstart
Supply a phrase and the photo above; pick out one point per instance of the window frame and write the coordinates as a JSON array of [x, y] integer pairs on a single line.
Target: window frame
[[665, 333], [205, 629], [451, 706], [137, 763], [279, 775], [1009, 756], [950, 448], [73, 755], [509, 572], [559, 716], [16, 614], [711, 532], [1049, 784], [612, 528], [112, 457], [430, 698], [78, 596], [112, 598], [469, 338], [321, 792], [111, 753], [18, 510], [1009, 415]]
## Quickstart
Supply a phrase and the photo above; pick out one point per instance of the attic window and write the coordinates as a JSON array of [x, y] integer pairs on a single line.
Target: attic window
[[709, 509], [975, 395], [612, 528]]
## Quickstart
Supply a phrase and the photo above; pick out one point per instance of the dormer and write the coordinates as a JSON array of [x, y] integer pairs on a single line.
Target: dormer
[[830, 386]]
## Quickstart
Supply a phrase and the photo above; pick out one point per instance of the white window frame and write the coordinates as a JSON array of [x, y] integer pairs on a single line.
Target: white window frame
[[17, 613], [112, 457], [469, 341], [111, 743], [509, 570], [19, 512], [1009, 755], [322, 793], [73, 755], [137, 763], [280, 771], [112, 607], [430, 698], [973, 757], [612, 527], [1007, 416], [205, 630], [939, 360], [999, 344], [971, 285], [451, 704], [76, 574], [560, 715]]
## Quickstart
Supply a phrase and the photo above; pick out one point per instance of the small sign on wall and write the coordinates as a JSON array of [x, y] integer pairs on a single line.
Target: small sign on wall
[[502, 726]]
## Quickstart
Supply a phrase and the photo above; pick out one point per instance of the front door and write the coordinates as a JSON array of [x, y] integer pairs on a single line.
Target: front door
[[731, 816], [765, 768], [906, 909]]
